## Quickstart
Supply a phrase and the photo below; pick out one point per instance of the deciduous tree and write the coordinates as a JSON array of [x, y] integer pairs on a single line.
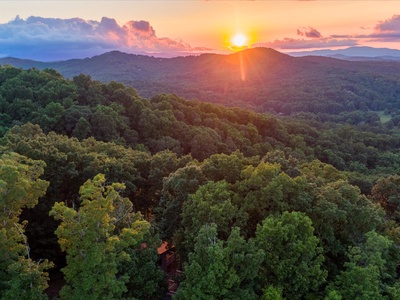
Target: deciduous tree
[[20, 187], [293, 257], [95, 239]]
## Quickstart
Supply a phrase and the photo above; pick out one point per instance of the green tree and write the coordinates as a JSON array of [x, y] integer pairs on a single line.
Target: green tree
[[272, 293], [340, 214], [20, 187], [145, 279], [264, 190], [95, 239], [82, 129], [224, 167], [221, 270], [293, 259], [364, 273], [176, 189], [210, 204]]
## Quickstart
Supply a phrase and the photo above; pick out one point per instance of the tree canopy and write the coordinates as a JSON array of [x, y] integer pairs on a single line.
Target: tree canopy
[[93, 178]]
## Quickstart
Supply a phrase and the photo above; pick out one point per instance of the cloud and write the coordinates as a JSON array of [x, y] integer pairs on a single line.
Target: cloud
[[289, 43], [309, 32], [55, 39], [391, 25], [388, 30], [311, 39], [384, 31]]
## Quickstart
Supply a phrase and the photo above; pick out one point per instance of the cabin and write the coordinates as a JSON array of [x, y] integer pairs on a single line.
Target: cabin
[[170, 264]]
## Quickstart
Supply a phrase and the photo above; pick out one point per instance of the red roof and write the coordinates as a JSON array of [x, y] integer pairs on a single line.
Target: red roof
[[163, 248]]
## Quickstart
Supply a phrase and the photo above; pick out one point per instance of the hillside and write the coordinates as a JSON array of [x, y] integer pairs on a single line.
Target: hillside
[[261, 79], [93, 177]]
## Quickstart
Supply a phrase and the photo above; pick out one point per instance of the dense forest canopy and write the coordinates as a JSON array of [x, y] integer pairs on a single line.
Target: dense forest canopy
[[93, 177]]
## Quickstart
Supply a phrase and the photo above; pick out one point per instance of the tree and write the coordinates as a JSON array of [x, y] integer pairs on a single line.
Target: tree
[[82, 129], [386, 192], [340, 214], [224, 167], [20, 187], [272, 293], [264, 190], [95, 239], [210, 204], [293, 258], [176, 188], [365, 272], [221, 270], [145, 279], [341, 217]]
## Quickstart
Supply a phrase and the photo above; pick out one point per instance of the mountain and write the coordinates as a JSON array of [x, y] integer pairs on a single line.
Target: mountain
[[261, 79], [354, 53]]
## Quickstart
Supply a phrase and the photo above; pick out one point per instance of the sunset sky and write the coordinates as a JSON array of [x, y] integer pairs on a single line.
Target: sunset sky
[[51, 30]]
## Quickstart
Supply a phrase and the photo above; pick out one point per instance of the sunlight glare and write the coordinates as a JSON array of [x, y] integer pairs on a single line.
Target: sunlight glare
[[239, 40]]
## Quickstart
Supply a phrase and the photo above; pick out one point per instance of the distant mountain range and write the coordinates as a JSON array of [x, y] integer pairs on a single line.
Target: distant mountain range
[[354, 53], [261, 79]]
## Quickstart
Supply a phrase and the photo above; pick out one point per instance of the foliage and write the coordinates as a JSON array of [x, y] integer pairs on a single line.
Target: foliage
[[95, 238], [365, 275], [210, 204], [293, 257], [274, 81], [20, 187], [314, 193], [272, 293], [145, 280], [228, 268], [386, 193]]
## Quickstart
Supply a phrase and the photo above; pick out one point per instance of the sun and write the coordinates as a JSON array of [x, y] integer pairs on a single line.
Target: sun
[[239, 40]]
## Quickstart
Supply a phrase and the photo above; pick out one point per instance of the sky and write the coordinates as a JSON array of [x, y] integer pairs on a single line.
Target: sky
[[56, 30]]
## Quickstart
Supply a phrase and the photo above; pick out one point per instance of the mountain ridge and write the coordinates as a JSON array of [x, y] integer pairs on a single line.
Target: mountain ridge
[[357, 53], [261, 79]]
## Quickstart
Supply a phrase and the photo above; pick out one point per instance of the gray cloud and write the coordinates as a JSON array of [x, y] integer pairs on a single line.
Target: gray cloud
[[387, 31], [391, 25], [54, 39]]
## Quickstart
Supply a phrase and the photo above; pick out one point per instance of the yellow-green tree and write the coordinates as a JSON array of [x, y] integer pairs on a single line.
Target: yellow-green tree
[[20, 187], [96, 238]]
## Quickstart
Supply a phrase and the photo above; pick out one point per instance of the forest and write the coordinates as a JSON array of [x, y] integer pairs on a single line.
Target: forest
[[94, 177], [260, 79]]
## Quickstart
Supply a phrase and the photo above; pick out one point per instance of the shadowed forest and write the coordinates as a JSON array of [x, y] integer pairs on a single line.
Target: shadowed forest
[[295, 199]]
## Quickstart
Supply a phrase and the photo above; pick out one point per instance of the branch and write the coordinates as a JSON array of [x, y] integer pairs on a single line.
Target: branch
[[25, 240]]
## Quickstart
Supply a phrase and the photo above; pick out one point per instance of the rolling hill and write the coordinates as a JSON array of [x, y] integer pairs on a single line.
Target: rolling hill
[[261, 79]]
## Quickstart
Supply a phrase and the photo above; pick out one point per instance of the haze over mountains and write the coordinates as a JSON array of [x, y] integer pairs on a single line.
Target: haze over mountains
[[354, 53], [259, 78]]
